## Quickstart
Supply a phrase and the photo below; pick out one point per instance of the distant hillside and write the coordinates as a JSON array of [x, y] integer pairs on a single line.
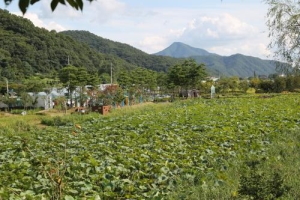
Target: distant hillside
[[26, 50], [234, 65], [237, 65], [181, 50], [123, 51]]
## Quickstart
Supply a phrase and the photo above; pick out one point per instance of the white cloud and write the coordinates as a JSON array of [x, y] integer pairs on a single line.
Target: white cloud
[[61, 11], [34, 18], [223, 34], [245, 47], [223, 28], [155, 42], [102, 10]]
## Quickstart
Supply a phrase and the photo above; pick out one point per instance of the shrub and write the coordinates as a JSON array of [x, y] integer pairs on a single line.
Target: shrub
[[259, 184], [251, 91], [55, 121]]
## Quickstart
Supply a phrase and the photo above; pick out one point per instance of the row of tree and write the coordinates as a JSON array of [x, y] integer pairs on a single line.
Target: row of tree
[[234, 84], [184, 76], [140, 81]]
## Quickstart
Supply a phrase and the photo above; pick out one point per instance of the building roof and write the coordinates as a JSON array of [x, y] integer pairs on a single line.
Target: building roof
[[3, 105]]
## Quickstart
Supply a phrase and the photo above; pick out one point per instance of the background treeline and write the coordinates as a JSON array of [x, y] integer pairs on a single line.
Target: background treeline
[[273, 84], [26, 50]]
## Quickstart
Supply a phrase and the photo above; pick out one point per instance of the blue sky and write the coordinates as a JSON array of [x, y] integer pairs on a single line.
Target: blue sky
[[223, 27]]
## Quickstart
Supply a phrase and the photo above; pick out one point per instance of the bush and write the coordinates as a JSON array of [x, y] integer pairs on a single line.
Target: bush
[[258, 184], [16, 112], [55, 121], [251, 91]]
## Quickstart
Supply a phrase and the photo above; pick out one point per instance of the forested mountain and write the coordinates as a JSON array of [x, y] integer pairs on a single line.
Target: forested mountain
[[181, 50], [124, 51], [237, 65], [26, 50], [234, 65]]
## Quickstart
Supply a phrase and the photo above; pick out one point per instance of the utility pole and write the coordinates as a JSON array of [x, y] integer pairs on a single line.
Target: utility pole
[[111, 73], [6, 80], [68, 60]]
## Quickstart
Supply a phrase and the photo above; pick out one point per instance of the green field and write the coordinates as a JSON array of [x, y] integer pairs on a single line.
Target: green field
[[192, 149]]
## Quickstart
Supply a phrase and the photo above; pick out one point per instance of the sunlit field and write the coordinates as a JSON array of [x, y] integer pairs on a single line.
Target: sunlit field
[[218, 148]]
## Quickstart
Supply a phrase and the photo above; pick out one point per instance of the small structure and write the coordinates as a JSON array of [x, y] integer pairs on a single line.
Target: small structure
[[189, 93], [3, 106], [80, 110], [42, 100], [104, 110], [212, 91]]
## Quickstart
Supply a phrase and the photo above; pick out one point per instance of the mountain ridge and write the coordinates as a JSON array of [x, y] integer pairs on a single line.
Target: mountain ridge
[[181, 50], [233, 65]]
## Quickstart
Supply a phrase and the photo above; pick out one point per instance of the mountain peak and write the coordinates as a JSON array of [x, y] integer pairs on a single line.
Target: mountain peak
[[181, 50]]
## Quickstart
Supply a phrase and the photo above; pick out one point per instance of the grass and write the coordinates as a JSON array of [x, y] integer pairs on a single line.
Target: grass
[[37, 119]]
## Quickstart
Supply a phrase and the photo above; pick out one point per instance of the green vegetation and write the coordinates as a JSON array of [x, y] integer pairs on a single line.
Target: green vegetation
[[236, 65], [187, 75], [157, 151], [283, 23], [123, 51], [24, 4], [181, 50], [26, 50]]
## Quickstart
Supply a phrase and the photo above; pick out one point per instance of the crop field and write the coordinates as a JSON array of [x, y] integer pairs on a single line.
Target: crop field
[[152, 152]]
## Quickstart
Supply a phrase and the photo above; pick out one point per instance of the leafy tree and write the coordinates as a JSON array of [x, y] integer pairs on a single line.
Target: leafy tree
[[27, 100], [284, 26], [254, 83], [82, 77], [206, 86], [224, 85], [267, 86], [34, 84], [105, 78], [73, 77], [24, 4], [68, 76], [118, 96], [162, 81], [244, 85], [124, 79], [186, 75], [279, 84]]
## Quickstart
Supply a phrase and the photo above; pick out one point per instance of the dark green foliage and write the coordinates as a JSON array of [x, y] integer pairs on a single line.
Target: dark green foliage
[[26, 50], [261, 185], [123, 51], [235, 65], [24, 4], [55, 121], [279, 84], [187, 75]]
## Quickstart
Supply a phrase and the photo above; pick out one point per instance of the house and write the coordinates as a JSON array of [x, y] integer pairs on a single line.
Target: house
[[3, 106], [189, 93], [42, 100]]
